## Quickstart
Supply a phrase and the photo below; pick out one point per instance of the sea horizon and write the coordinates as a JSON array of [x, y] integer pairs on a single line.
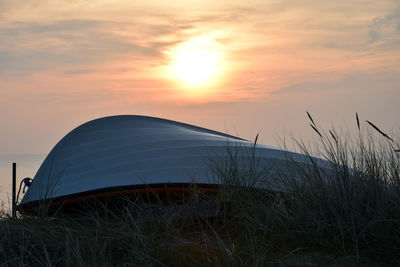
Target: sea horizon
[[27, 166]]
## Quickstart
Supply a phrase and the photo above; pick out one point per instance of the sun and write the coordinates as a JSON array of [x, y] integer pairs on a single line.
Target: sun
[[196, 63]]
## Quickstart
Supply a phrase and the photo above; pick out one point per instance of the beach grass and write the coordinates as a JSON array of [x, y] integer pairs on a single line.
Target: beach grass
[[345, 215]]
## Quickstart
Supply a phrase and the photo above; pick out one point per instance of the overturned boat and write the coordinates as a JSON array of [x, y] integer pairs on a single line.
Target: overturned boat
[[129, 155]]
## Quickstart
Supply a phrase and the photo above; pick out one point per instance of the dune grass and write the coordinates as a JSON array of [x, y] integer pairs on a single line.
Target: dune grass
[[344, 215]]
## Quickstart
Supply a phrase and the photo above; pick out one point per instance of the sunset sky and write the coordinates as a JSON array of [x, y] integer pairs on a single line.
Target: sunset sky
[[243, 67]]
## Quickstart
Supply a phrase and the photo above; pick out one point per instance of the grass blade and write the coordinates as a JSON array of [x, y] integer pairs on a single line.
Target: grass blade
[[311, 119], [379, 131], [333, 136], [316, 130], [255, 140], [358, 121]]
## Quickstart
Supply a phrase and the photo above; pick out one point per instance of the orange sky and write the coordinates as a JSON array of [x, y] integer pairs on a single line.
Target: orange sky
[[63, 63]]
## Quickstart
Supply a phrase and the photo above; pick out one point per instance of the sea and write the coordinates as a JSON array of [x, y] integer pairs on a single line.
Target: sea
[[27, 166]]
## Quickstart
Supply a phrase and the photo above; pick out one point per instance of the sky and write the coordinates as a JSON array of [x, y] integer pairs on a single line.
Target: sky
[[242, 67]]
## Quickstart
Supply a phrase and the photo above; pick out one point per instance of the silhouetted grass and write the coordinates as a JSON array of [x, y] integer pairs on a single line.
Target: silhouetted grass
[[344, 213]]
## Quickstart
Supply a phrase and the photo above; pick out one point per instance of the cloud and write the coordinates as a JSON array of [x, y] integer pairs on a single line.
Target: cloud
[[357, 82], [267, 44], [63, 44], [78, 72], [34, 47], [385, 30]]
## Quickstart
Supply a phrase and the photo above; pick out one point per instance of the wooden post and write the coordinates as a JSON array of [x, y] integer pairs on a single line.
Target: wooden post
[[14, 181]]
